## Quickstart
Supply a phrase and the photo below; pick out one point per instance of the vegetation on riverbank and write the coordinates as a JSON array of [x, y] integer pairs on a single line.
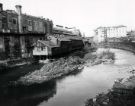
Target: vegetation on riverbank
[[105, 57], [64, 66]]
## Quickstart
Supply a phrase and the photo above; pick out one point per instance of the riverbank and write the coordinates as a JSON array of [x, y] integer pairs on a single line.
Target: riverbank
[[5, 65], [64, 66], [13, 74], [121, 94], [123, 91]]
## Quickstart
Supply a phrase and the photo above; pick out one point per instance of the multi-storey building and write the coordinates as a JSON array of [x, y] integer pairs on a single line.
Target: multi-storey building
[[19, 31], [102, 33]]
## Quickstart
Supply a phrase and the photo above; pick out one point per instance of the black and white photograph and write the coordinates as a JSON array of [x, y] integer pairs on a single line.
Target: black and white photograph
[[67, 53]]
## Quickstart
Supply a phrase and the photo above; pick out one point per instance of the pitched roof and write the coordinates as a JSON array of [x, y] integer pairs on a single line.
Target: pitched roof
[[75, 38], [48, 43], [64, 39]]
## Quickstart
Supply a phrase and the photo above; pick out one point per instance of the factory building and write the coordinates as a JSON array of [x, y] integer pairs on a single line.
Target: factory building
[[19, 31]]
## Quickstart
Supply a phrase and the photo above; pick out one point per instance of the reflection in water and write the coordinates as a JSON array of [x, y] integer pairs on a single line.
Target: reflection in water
[[15, 73], [27, 95]]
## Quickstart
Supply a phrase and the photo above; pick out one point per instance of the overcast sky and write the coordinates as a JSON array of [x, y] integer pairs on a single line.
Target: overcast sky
[[83, 14]]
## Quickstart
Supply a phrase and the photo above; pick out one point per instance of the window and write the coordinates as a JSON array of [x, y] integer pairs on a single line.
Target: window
[[42, 48], [29, 22], [14, 21], [24, 29], [4, 21]]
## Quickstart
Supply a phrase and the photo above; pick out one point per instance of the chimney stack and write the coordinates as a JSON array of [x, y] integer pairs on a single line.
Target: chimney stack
[[1, 7], [19, 9], [22, 38], [19, 12]]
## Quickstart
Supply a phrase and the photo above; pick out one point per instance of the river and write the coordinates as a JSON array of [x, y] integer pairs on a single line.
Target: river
[[72, 90]]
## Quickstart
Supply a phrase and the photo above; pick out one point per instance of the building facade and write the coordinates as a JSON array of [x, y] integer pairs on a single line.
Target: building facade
[[19, 31], [102, 33]]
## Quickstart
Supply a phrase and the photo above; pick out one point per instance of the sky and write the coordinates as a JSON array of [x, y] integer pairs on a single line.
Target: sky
[[86, 15]]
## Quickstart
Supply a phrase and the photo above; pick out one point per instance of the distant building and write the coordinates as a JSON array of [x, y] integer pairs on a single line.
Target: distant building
[[58, 29], [101, 33]]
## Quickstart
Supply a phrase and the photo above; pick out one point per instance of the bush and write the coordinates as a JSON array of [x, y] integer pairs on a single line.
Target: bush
[[107, 55]]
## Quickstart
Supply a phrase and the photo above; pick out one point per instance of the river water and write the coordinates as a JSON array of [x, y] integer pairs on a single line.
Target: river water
[[73, 90]]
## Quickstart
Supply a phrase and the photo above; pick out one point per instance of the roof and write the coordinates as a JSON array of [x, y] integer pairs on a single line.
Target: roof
[[11, 12], [64, 39], [69, 38], [30, 16], [75, 38], [119, 26], [48, 43]]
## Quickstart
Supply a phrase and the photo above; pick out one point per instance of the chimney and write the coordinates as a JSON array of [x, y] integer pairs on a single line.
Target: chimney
[[1, 7], [19, 12], [19, 9]]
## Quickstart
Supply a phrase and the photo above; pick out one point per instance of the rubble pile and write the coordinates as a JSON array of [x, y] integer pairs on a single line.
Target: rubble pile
[[121, 94], [52, 70]]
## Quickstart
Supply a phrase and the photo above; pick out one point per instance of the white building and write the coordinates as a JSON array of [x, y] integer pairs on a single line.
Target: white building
[[110, 32]]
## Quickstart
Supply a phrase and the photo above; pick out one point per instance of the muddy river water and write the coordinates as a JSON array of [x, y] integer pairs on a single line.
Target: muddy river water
[[73, 90]]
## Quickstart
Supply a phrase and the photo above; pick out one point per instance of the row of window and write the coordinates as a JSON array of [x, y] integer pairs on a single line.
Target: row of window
[[114, 31], [13, 20], [29, 22], [41, 48]]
